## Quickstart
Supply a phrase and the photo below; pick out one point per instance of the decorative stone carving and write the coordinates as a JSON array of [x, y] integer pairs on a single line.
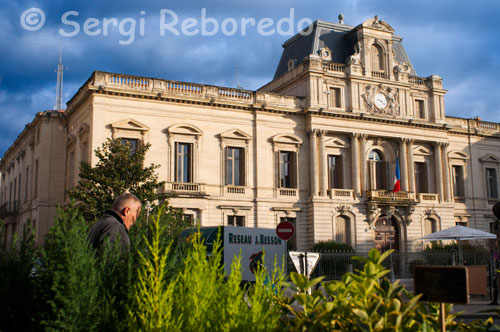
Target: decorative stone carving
[[402, 67], [391, 95], [343, 209], [355, 59], [373, 211]]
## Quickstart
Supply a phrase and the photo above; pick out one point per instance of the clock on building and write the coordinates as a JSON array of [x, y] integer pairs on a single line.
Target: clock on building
[[380, 101]]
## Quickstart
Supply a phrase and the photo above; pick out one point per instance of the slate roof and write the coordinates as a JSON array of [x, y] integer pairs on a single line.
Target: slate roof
[[336, 37]]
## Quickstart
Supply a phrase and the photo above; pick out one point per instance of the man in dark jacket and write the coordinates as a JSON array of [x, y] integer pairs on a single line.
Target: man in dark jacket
[[115, 223]]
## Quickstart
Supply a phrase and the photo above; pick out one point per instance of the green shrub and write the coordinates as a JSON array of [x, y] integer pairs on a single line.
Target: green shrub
[[20, 299], [74, 282], [362, 301]]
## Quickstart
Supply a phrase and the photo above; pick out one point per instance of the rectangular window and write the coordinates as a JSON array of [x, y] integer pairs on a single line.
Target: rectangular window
[[420, 108], [85, 152], [335, 97], [287, 169], [421, 178], [235, 166], [15, 188], [238, 221], [133, 144], [334, 172], [35, 180], [491, 183], [71, 169], [19, 188], [183, 162], [26, 185], [292, 243], [458, 181], [188, 218]]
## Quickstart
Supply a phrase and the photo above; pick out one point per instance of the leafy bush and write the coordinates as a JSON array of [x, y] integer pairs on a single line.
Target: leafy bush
[[362, 301], [20, 300]]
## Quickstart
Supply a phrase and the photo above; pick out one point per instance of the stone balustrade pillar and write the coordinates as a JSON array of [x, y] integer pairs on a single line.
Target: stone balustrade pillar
[[439, 170], [355, 169], [323, 164], [314, 163], [446, 173]]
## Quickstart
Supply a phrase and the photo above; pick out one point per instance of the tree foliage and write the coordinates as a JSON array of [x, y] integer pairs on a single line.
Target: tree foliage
[[116, 171]]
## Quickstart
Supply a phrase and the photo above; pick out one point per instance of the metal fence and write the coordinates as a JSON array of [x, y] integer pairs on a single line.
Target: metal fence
[[334, 264]]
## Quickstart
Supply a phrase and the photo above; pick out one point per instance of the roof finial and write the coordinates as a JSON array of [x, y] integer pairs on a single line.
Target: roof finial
[[341, 18]]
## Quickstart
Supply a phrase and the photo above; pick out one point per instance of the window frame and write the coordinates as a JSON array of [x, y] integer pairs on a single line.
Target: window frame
[[189, 163], [235, 222], [461, 181], [287, 181], [241, 166]]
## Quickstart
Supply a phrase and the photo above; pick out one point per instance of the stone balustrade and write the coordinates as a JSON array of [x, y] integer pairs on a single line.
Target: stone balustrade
[[333, 67], [341, 194], [386, 195], [428, 198]]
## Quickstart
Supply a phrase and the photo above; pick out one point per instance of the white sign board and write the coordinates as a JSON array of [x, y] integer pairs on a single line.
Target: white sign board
[[303, 259], [253, 244]]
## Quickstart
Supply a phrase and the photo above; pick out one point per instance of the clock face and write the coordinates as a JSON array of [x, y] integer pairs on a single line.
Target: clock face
[[380, 100]]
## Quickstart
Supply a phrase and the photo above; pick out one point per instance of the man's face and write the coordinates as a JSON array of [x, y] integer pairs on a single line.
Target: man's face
[[130, 214]]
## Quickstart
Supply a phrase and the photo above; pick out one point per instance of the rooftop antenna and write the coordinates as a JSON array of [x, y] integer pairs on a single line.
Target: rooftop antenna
[[59, 88], [237, 77]]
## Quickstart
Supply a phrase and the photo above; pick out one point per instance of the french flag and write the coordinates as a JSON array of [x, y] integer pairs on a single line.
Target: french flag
[[397, 178]]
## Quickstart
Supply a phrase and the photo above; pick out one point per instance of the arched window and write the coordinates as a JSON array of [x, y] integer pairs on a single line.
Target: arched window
[[377, 58], [343, 230], [377, 170]]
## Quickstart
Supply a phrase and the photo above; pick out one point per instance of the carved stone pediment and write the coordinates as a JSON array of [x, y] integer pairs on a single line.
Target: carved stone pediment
[[489, 158], [375, 23]]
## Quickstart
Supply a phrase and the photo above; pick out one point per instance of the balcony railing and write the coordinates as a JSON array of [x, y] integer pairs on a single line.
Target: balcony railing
[[9, 208], [428, 198], [288, 192], [235, 190], [344, 194], [184, 187], [386, 196]]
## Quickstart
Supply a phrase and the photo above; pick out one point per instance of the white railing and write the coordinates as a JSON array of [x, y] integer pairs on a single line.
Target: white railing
[[183, 87], [288, 192], [129, 81], [185, 187], [389, 195], [428, 197], [416, 80], [234, 93], [235, 190], [379, 74], [340, 193], [335, 67]]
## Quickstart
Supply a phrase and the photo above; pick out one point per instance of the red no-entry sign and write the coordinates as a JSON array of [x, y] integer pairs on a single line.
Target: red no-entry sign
[[285, 230]]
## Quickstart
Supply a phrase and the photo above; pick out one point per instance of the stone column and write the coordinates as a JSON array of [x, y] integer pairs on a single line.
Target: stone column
[[446, 169], [314, 163], [355, 170], [411, 168], [403, 165], [323, 160], [439, 170], [363, 160]]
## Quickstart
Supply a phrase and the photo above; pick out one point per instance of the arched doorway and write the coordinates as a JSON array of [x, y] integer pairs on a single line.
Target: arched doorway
[[387, 233]]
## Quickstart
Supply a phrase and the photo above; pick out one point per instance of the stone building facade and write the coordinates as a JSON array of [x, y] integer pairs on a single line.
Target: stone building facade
[[318, 145]]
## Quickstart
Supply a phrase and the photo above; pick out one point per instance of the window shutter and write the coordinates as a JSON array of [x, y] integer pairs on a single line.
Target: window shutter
[[293, 170]]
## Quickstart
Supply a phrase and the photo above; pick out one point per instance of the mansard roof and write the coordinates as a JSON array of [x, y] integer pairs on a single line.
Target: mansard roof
[[339, 38]]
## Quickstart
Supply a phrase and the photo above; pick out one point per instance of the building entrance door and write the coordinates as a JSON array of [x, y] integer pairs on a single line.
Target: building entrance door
[[386, 234]]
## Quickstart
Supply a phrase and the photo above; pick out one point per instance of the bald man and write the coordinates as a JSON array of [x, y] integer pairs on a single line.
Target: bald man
[[115, 223]]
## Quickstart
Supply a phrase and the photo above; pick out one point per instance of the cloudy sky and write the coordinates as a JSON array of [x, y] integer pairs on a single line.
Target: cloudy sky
[[457, 40]]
